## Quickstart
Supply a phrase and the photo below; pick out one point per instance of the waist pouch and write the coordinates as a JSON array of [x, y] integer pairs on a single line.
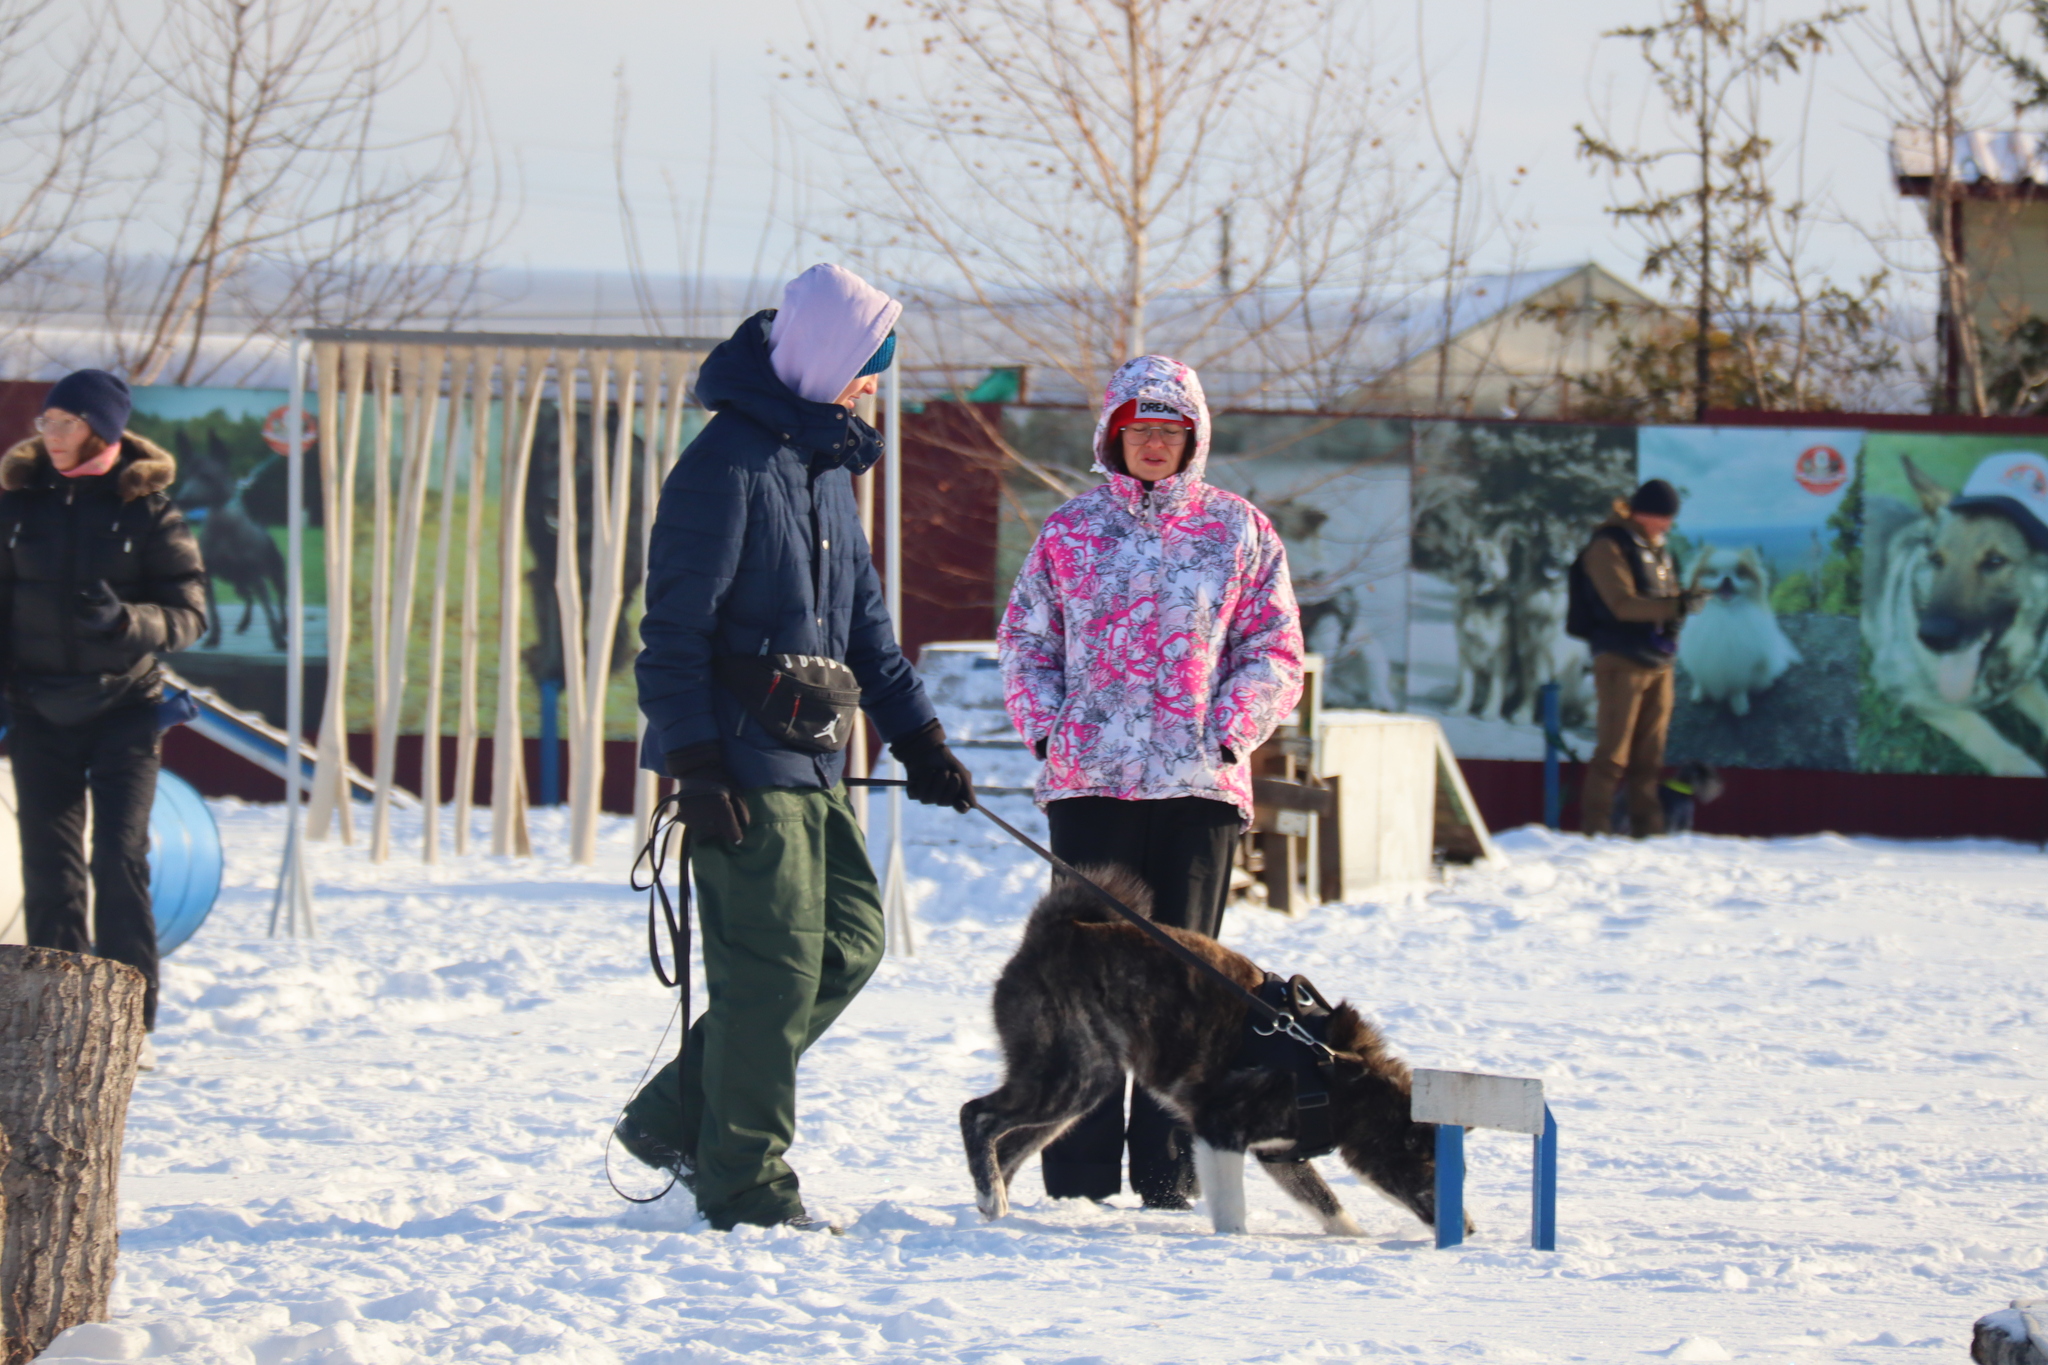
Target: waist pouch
[[75, 698], [804, 701]]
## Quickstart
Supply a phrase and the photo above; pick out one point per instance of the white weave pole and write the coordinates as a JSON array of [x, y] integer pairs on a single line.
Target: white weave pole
[[423, 365], [384, 372], [895, 890], [525, 376], [611, 492], [857, 764], [472, 592], [568, 584], [293, 901], [329, 796], [675, 367], [437, 618], [662, 374]]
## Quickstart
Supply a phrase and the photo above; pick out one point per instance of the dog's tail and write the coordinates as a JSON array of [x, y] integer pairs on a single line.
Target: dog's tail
[[1069, 902]]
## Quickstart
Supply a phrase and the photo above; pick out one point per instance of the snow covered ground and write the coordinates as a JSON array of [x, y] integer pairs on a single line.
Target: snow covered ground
[[1800, 1085]]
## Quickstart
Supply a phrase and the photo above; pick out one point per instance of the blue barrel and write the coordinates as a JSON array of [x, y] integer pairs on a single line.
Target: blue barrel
[[184, 861]]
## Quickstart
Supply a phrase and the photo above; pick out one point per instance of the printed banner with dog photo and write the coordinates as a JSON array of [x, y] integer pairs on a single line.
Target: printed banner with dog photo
[[1336, 489], [230, 446], [1768, 669], [1955, 604], [1500, 513]]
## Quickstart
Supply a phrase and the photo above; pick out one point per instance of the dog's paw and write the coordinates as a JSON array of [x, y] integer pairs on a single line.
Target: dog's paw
[[992, 1205], [1342, 1224]]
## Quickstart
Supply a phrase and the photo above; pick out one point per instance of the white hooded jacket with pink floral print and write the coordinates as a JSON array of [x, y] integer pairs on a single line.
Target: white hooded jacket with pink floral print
[[1150, 629]]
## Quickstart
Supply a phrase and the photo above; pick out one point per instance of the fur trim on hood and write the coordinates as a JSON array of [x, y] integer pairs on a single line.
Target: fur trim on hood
[[145, 466]]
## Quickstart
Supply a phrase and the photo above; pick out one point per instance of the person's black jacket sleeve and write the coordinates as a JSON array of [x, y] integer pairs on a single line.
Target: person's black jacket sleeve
[[170, 611]]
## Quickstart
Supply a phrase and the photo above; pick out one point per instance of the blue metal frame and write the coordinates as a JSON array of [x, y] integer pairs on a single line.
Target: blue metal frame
[[1543, 1187], [1450, 1186], [551, 743], [1553, 801]]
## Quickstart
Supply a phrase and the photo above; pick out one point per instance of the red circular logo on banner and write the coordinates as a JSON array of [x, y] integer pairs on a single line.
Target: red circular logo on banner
[[277, 430], [1821, 469]]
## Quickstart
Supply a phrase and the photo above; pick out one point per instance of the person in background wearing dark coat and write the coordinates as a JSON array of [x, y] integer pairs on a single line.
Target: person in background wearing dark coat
[[758, 553], [101, 574], [1626, 589]]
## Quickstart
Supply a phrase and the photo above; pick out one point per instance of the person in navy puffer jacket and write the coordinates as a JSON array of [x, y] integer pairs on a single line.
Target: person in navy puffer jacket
[[757, 552]]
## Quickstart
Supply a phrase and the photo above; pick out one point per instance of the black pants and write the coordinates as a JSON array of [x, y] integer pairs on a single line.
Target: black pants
[[116, 756], [1181, 848]]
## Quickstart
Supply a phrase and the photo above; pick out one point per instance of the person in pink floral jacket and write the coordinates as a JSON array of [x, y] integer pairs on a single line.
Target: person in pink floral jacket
[[1151, 643]]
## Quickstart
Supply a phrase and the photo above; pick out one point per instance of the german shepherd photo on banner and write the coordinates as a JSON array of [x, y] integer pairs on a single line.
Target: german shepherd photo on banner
[[1955, 612]]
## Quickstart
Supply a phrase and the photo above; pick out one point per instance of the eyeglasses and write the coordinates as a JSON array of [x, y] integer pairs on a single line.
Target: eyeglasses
[[1155, 436], [47, 425]]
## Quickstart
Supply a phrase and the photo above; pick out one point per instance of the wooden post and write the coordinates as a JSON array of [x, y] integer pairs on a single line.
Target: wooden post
[[568, 536], [70, 1029], [341, 419], [422, 394], [472, 590], [320, 801], [611, 491], [664, 388], [437, 620], [383, 371], [857, 764], [525, 374]]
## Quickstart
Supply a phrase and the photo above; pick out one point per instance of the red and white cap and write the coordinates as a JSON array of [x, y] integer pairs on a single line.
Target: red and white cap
[[2015, 483], [1146, 409]]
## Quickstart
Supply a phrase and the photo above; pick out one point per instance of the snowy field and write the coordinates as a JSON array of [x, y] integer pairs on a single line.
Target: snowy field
[[1800, 1086]]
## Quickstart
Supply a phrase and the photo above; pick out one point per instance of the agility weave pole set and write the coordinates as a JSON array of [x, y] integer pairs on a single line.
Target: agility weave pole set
[[458, 412]]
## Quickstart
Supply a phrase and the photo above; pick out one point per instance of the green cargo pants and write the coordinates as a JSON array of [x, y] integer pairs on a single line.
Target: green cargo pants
[[791, 925]]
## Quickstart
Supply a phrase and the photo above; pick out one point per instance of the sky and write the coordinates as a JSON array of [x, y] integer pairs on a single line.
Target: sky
[[707, 98]]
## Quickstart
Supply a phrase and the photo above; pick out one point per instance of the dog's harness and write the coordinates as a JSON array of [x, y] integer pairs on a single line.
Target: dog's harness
[[1266, 1049]]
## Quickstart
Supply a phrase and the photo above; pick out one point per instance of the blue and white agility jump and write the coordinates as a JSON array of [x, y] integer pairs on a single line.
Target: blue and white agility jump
[[1457, 1100]]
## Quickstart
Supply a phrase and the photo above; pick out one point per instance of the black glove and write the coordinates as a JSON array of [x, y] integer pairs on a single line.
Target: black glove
[[706, 801], [1691, 601], [99, 610], [934, 776]]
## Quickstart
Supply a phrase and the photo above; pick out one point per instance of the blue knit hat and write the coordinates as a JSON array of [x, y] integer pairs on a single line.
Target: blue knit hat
[[884, 355], [100, 398]]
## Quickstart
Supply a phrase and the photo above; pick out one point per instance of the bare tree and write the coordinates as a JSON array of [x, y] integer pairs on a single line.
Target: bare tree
[[1931, 62], [278, 194], [59, 99], [1471, 216], [1058, 171], [1731, 245]]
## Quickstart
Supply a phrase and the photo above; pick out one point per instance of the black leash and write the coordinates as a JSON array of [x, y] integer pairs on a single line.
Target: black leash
[[1279, 1020], [667, 821]]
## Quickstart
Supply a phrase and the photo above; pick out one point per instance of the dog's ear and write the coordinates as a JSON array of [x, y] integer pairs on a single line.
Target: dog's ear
[[1699, 565], [1933, 497]]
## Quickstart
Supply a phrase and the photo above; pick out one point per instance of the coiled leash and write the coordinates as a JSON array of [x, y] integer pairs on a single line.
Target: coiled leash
[[667, 822], [1277, 1019]]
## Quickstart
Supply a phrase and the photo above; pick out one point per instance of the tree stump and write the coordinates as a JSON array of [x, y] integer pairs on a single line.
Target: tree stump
[[70, 1031]]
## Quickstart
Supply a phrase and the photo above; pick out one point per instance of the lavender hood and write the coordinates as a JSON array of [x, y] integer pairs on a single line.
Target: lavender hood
[[831, 321]]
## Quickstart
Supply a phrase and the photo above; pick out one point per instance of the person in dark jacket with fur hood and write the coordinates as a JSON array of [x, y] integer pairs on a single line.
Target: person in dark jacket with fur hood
[[760, 583], [100, 575]]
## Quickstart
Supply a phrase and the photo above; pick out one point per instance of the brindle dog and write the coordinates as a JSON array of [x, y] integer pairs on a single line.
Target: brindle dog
[[1088, 996]]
